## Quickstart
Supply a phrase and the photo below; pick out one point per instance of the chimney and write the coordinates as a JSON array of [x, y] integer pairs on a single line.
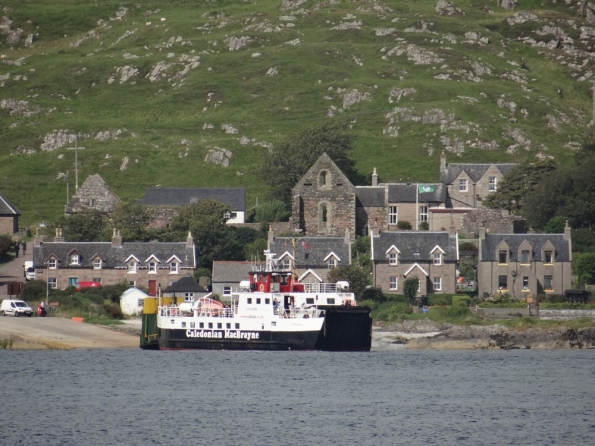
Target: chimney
[[270, 237], [442, 161], [38, 239], [116, 239], [374, 178], [189, 241], [452, 230], [566, 231], [58, 238], [482, 233]]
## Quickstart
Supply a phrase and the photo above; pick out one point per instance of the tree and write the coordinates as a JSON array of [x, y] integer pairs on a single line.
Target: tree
[[92, 226], [132, 220], [410, 289], [517, 183], [291, 159], [360, 252], [583, 266], [555, 225], [357, 277], [270, 211]]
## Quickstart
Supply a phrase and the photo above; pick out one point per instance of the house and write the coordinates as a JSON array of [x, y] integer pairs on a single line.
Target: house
[[165, 202], [227, 276], [430, 256], [524, 264], [9, 217], [311, 258], [148, 265], [187, 288], [94, 194], [132, 301]]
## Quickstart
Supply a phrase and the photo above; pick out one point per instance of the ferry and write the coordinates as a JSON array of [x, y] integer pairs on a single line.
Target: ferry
[[271, 311]]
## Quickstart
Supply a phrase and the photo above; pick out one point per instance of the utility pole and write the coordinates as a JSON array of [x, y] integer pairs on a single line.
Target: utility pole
[[67, 179], [76, 149]]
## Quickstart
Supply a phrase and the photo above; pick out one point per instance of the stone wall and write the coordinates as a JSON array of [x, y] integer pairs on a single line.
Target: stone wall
[[496, 221], [8, 225], [566, 314], [162, 217], [94, 194], [383, 271], [371, 219]]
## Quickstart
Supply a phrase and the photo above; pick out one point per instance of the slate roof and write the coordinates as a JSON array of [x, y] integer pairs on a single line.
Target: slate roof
[[314, 256], [158, 196], [410, 242], [489, 246], [113, 257], [230, 271], [371, 196], [6, 207], [475, 171], [186, 284], [405, 193]]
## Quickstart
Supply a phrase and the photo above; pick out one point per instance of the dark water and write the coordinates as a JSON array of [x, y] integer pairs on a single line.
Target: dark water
[[134, 397]]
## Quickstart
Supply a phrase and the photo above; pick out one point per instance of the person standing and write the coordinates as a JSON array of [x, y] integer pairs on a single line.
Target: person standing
[[24, 248], [17, 247]]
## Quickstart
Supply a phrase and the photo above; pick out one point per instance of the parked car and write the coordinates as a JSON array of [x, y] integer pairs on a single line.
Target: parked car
[[15, 307], [80, 285], [29, 270]]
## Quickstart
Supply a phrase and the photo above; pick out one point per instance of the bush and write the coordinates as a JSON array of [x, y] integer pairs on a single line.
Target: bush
[[113, 310], [394, 298], [374, 294], [439, 299], [35, 289], [404, 225], [5, 244], [461, 301], [367, 303], [424, 226], [551, 298]]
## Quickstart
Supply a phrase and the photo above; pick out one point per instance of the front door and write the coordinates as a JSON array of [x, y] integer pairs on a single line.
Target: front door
[[152, 287]]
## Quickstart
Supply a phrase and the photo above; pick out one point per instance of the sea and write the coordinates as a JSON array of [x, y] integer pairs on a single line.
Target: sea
[[385, 397]]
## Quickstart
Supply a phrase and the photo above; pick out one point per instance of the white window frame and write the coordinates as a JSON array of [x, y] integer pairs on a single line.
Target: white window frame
[[393, 258], [189, 297], [75, 259], [437, 283], [393, 283], [132, 267], [173, 268], [227, 291], [97, 264], [423, 213], [332, 263], [53, 283], [492, 184], [393, 215], [437, 258], [286, 264], [463, 185], [152, 267], [52, 264]]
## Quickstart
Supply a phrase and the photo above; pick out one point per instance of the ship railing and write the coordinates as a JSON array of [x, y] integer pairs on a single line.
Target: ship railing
[[324, 288], [215, 312], [297, 313]]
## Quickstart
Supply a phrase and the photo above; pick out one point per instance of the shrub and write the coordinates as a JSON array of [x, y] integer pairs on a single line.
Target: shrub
[[393, 298], [410, 288], [35, 289], [374, 294], [439, 299], [113, 310], [367, 303], [404, 225], [461, 301], [424, 226]]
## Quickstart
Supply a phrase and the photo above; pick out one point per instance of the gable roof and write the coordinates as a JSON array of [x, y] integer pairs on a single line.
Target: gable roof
[[6, 207], [474, 171], [96, 189], [489, 246], [415, 246], [186, 284], [229, 271], [324, 158], [235, 198], [370, 196], [311, 252], [405, 193], [113, 257]]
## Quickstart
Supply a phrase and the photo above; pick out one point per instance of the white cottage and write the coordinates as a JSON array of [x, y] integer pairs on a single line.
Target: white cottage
[[132, 302]]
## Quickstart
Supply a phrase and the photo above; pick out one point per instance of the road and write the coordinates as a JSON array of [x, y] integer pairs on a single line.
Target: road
[[61, 333]]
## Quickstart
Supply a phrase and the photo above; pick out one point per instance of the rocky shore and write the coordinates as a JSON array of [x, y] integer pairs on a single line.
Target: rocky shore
[[427, 334]]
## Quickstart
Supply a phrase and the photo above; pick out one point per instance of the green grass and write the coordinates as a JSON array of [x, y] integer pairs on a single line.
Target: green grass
[[155, 117]]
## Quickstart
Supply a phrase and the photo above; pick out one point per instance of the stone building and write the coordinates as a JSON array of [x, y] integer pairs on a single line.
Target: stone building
[[227, 276], [9, 217], [428, 256], [524, 264], [94, 194], [148, 265]]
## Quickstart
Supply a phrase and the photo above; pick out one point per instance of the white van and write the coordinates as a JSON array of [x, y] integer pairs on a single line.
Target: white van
[[15, 307], [29, 271]]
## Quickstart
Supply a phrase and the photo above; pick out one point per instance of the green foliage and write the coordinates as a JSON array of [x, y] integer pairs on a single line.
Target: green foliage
[[293, 157], [34, 290], [5, 244], [404, 225], [461, 301], [360, 252], [551, 298], [501, 298], [517, 183], [439, 299], [255, 249], [111, 293], [374, 294], [271, 211], [357, 277], [202, 272], [468, 246], [468, 268], [516, 304], [92, 226], [424, 226], [583, 240], [583, 264], [555, 225], [410, 289], [132, 220]]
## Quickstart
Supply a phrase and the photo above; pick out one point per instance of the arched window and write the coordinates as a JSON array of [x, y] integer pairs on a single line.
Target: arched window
[[323, 213]]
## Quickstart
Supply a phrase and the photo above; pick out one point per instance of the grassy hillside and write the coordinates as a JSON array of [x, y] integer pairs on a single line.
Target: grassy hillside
[[161, 83]]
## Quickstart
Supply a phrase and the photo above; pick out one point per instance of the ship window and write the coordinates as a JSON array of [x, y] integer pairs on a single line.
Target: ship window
[[192, 325], [267, 301], [310, 300], [258, 300], [248, 300], [219, 325], [210, 325], [237, 326], [228, 325], [201, 325], [183, 324], [330, 300]]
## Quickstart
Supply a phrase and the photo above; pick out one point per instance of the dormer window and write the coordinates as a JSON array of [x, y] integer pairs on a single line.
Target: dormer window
[[152, 267], [463, 185], [286, 264], [548, 257], [52, 264], [332, 262], [173, 268], [97, 263], [503, 256], [492, 184], [132, 267], [393, 259], [437, 258], [75, 259], [525, 256]]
